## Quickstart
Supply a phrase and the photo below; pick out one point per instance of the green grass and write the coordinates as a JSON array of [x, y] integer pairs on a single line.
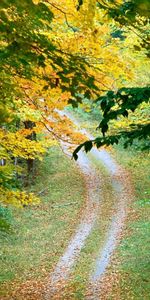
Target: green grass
[[36, 240], [76, 288], [133, 253]]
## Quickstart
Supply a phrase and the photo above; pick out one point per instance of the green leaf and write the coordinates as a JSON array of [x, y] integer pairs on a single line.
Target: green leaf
[[88, 146]]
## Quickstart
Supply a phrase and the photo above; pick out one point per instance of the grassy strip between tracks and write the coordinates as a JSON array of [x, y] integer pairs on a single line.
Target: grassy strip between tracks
[[77, 286], [128, 276], [39, 235]]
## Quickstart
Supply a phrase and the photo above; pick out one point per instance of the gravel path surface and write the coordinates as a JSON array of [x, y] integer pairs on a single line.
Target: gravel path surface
[[87, 220], [86, 223]]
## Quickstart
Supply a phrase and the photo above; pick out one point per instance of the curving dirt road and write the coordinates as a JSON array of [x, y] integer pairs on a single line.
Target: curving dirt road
[[87, 220]]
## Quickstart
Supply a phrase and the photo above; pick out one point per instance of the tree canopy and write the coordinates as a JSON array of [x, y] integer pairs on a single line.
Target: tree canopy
[[59, 52], [131, 16]]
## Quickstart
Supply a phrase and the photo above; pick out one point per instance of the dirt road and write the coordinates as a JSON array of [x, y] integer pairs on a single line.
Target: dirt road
[[87, 221]]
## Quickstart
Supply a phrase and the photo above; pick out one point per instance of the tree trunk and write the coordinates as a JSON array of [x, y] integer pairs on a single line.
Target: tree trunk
[[32, 136]]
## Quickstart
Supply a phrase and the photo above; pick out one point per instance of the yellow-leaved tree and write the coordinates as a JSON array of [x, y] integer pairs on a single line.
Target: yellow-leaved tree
[[53, 53]]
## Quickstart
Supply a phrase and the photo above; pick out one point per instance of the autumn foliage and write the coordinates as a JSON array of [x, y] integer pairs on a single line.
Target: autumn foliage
[[54, 53]]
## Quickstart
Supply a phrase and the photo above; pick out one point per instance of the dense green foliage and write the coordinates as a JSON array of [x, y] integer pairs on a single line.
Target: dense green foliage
[[113, 105], [133, 15]]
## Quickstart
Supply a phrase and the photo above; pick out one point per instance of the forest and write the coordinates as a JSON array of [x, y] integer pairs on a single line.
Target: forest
[[74, 151]]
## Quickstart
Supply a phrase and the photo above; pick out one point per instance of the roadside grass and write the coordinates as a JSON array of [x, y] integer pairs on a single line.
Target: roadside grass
[[133, 252], [39, 234], [77, 286], [131, 259], [37, 238]]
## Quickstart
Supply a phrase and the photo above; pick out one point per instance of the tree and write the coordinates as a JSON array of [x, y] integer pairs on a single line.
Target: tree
[[131, 17], [53, 54], [31, 88]]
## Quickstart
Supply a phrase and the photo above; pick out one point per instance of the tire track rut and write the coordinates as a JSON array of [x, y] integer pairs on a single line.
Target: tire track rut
[[87, 220]]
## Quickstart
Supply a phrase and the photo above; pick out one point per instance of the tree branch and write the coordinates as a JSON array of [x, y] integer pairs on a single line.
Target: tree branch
[[64, 13]]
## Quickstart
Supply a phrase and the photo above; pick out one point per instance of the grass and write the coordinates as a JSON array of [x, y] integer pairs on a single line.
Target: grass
[[37, 236], [76, 288], [133, 252], [36, 240]]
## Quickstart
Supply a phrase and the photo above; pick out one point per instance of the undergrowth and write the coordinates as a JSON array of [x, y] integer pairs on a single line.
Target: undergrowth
[[36, 240]]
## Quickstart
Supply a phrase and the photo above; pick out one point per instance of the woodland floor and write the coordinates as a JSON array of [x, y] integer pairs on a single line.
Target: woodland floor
[[88, 238]]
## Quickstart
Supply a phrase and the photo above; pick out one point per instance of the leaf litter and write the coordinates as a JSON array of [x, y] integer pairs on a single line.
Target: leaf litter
[[100, 282]]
